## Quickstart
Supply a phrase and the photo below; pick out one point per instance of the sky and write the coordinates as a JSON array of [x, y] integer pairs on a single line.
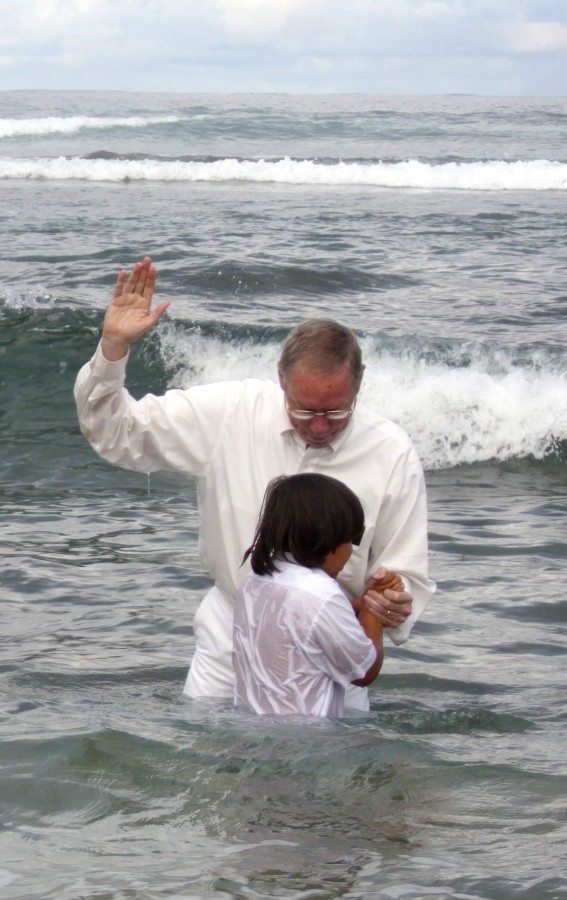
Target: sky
[[488, 47]]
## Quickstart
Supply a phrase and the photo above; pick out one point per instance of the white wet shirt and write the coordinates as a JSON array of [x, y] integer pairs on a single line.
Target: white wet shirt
[[297, 643]]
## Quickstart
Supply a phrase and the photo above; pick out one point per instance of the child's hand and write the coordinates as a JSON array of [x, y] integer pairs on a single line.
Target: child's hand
[[383, 580]]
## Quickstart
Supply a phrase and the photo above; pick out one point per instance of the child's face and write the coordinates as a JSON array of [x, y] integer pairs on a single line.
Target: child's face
[[335, 561]]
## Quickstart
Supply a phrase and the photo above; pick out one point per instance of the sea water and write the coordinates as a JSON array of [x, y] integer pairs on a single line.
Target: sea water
[[434, 227]]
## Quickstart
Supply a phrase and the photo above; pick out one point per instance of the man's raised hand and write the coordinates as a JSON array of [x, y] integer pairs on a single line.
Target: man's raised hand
[[129, 315]]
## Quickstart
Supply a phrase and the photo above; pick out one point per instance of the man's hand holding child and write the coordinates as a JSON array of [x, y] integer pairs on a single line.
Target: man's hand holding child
[[386, 598]]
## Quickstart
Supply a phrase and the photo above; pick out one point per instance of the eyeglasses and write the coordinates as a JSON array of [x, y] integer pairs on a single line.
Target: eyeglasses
[[332, 415]]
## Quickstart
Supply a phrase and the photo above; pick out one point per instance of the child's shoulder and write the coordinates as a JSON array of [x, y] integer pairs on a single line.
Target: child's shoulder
[[309, 581]]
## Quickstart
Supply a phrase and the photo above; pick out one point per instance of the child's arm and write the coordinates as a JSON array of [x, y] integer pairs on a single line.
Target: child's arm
[[373, 629]]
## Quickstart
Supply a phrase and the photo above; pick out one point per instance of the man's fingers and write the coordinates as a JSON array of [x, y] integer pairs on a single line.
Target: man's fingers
[[391, 607], [149, 284], [119, 286], [138, 282], [385, 614], [398, 597], [146, 279], [159, 310]]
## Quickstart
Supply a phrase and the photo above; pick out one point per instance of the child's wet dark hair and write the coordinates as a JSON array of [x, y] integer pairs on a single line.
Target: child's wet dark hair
[[306, 516]]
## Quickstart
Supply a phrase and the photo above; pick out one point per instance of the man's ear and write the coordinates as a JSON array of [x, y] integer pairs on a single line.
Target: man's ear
[[280, 377]]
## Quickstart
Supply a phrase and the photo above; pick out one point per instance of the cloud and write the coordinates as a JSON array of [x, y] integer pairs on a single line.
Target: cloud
[[538, 37], [402, 46], [264, 20], [42, 21]]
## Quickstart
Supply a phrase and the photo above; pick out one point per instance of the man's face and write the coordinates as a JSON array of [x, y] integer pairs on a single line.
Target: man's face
[[306, 389]]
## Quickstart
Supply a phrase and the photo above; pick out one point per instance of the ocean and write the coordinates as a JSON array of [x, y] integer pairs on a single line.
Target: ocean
[[435, 228]]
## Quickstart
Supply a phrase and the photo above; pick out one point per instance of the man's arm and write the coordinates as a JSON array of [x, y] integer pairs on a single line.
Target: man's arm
[[175, 431], [400, 544]]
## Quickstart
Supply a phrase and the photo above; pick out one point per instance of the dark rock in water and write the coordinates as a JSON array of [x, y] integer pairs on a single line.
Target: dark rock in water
[[102, 154]]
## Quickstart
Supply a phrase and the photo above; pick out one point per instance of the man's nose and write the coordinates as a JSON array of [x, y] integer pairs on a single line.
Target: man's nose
[[319, 425]]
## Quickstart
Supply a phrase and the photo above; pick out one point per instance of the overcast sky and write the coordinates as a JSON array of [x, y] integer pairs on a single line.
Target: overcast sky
[[511, 47]]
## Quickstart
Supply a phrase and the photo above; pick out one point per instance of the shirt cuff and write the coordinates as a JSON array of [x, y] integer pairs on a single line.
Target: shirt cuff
[[105, 369]]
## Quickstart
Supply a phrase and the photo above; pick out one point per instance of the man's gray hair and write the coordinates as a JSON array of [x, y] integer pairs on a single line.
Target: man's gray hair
[[323, 345]]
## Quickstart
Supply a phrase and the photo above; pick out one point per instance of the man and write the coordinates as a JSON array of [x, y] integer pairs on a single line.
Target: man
[[235, 437]]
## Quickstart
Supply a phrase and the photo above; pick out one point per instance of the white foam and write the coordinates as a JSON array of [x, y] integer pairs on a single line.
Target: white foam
[[7, 878], [496, 175], [469, 415], [32, 298], [71, 124], [205, 360], [490, 410]]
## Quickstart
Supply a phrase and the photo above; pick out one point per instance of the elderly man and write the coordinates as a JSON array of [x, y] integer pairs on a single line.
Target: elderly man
[[234, 437]]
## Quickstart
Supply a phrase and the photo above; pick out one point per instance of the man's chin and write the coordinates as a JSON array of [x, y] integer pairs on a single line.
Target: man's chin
[[322, 442]]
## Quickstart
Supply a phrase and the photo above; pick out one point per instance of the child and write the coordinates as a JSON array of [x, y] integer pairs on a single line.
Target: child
[[297, 640]]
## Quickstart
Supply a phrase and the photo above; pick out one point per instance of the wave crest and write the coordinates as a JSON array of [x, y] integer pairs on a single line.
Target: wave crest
[[495, 175], [494, 406], [71, 124]]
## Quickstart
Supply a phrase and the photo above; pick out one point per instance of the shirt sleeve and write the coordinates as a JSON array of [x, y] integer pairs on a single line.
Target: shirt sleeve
[[400, 540], [175, 432], [338, 644]]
